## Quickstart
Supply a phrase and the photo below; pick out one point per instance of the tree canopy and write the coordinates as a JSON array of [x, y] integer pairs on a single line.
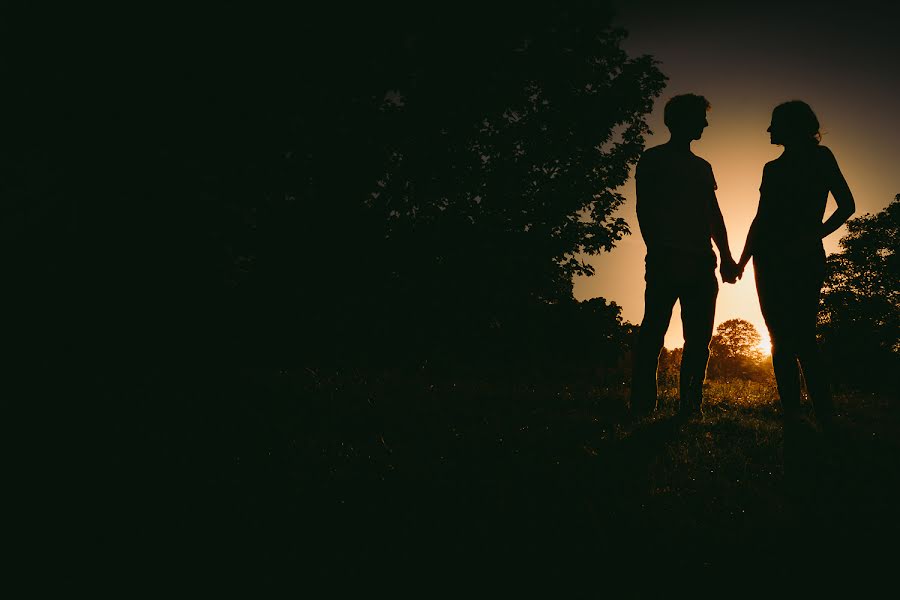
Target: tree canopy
[[437, 176], [734, 350], [263, 181], [859, 316]]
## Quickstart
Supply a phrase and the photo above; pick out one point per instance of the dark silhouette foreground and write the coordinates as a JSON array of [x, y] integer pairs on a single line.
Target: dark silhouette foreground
[[678, 214]]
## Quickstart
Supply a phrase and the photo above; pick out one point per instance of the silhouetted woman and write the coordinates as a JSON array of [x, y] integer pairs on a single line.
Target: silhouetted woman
[[785, 241]]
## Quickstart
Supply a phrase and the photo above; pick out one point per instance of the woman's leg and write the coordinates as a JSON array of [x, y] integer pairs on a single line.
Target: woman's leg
[[787, 376], [817, 385], [814, 370], [775, 298]]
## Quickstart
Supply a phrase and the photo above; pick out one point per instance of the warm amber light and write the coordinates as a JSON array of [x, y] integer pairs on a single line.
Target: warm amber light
[[737, 146]]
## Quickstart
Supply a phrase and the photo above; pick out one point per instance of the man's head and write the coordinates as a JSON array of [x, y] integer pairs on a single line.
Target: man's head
[[685, 115]]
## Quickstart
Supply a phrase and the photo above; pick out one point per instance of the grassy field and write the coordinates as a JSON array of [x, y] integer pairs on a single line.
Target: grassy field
[[383, 475]]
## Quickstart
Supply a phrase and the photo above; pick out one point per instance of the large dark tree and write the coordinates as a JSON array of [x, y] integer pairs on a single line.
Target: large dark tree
[[257, 181], [440, 175]]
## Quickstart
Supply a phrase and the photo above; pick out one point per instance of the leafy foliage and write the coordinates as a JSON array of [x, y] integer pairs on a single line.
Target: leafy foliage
[[734, 356], [734, 351], [859, 316], [431, 178], [316, 180], [668, 370]]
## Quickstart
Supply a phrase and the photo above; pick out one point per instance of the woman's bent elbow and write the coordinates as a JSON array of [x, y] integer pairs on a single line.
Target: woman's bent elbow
[[849, 209]]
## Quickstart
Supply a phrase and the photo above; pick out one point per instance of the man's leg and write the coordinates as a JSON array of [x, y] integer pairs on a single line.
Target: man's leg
[[698, 310], [659, 299]]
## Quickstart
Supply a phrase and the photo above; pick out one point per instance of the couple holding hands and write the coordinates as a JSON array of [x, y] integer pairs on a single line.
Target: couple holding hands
[[678, 215]]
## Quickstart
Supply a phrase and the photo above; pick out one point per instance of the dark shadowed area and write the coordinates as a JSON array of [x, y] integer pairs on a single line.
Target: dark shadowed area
[[348, 295]]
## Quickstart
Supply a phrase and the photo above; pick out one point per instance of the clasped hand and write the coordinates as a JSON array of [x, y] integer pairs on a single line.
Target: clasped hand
[[730, 270]]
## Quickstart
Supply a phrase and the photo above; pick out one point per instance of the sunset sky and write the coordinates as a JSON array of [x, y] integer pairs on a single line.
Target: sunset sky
[[746, 60]]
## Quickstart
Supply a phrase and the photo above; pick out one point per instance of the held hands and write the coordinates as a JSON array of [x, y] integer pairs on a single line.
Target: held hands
[[730, 270]]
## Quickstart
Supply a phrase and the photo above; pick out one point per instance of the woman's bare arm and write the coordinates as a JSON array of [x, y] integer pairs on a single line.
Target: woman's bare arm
[[838, 187], [748, 244]]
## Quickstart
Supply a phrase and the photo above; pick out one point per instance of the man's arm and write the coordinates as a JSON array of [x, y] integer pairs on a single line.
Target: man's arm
[[646, 192], [643, 193], [719, 233]]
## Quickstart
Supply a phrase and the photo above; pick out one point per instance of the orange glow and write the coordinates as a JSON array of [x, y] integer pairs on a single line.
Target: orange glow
[[765, 346], [737, 146], [855, 105]]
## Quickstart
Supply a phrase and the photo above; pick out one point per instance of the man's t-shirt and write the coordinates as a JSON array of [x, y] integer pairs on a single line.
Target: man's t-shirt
[[675, 194]]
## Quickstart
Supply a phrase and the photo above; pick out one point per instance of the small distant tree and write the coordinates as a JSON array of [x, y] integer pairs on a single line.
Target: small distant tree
[[734, 351]]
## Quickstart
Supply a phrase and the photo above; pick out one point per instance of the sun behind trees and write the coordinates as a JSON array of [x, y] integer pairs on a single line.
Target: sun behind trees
[[734, 354]]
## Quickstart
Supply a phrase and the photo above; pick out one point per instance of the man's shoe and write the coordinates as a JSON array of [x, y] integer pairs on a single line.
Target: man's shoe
[[685, 411], [640, 410]]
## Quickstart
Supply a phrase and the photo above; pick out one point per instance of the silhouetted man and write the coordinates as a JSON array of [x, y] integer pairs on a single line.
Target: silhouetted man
[[678, 213]]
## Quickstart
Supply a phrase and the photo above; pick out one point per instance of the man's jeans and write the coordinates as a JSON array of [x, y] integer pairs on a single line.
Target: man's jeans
[[696, 287]]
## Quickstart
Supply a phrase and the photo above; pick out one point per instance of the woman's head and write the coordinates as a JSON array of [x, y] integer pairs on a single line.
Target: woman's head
[[794, 123]]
